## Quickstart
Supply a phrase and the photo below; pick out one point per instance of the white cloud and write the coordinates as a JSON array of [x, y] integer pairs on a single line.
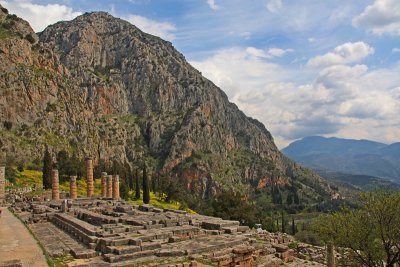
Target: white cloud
[[40, 16], [278, 52], [339, 100], [245, 35], [382, 17], [396, 50], [343, 54], [270, 53], [165, 30], [274, 6], [212, 4]]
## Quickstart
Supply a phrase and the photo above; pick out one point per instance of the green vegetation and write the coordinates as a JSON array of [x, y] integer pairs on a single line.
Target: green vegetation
[[30, 38], [5, 33], [47, 168], [368, 236], [146, 187], [137, 186]]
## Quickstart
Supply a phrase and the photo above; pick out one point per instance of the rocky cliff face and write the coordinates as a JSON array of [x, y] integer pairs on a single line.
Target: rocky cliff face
[[99, 86]]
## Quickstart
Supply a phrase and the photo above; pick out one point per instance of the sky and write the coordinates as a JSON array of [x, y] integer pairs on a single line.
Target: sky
[[301, 67]]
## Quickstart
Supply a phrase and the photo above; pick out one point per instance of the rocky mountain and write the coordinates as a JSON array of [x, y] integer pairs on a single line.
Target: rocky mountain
[[359, 157], [98, 86]]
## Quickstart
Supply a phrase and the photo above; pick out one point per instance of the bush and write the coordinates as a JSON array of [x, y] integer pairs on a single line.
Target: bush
[[30, 38], [5, 10], [310, 237], [7, 125], [12, 17]]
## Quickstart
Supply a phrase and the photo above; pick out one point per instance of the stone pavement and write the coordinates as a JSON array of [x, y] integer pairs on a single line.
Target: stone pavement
[[17, 243]]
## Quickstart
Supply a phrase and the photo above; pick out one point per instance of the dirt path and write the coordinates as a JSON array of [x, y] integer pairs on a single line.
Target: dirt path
[[17, 243]]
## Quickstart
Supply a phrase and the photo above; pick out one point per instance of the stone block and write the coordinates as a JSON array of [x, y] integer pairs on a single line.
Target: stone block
[[280, 248], [126, 250], [170, 253], [150, 246], [146, 207]]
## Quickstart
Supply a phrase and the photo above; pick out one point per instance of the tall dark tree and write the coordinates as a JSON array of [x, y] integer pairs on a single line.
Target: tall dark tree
[[293, 227], [283, 221], [146, 188], [289, 199], [137, 185], [123, 189], [131, 179], [47, 168]]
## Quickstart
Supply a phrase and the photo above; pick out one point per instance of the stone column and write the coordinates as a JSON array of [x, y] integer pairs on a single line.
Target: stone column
[[103, 184], [2, 183], [330, 255], [89, 174], [72, 188], [115, 193], [109, 186], [55, 193]]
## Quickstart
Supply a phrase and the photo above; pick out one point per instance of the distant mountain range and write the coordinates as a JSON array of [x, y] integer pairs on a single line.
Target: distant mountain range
[[358, 157]]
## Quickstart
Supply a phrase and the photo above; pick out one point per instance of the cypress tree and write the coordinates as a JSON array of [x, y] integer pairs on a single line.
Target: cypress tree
[[146, 189], [137, 195], [289, 199], [283, 221], [124, 190], [293, 227], [47, 168], [130, 180]]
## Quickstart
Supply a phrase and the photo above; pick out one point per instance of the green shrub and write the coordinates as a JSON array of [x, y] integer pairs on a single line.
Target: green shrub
[[30, 38], [7, 125]]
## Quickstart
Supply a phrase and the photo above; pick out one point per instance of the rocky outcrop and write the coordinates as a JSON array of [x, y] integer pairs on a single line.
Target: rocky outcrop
[[99, 86]]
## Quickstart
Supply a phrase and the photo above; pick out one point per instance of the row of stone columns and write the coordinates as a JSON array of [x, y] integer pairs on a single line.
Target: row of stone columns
[[109, 184]]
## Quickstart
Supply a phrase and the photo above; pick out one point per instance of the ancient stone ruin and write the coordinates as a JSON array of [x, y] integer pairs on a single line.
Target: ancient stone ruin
[[106, 231], [89, 173], [55, 193]]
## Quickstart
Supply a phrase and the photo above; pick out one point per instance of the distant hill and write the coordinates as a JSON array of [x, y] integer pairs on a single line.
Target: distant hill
[[358, 157], [358, 182]]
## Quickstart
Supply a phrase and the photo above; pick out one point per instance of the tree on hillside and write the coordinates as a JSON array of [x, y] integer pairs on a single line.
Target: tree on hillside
[[131, 181], [47, 168], [234, 206], [137, 185], [146, 188], [123, 189], [370, 235]]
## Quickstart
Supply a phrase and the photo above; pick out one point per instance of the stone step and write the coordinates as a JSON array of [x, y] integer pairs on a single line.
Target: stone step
[[112, 258]]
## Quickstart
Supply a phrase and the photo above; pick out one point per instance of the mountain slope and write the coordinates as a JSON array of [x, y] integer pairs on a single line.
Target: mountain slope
[[99, 86], [361, 157]]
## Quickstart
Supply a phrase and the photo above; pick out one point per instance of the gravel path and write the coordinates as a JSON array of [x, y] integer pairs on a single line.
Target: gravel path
[[17, 243]]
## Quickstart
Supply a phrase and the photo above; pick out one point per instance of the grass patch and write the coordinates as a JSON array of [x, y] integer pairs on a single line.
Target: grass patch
[[158, 201], [28, 178]]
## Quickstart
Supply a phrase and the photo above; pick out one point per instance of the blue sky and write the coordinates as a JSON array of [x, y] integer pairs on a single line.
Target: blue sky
[[302, 67]]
